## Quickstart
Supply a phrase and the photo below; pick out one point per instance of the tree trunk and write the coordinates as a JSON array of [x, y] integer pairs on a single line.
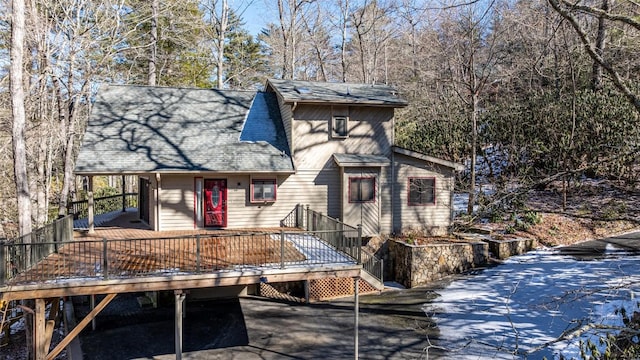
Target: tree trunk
[[596, 77], [343, 44], [222, 32], [285, 42], [151, 80], [19, 118], [474, 146], [23, 194]]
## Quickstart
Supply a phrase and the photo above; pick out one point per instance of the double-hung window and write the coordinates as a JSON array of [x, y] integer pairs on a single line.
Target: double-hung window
[[422, 191], [340, 127], [263, 190], [362, 189]]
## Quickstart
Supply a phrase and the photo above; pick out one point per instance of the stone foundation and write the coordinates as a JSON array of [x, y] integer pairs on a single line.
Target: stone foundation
[[414, 265]]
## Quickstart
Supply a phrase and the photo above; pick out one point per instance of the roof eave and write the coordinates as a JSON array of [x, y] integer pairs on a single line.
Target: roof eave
[[345, 103], [414, 154]]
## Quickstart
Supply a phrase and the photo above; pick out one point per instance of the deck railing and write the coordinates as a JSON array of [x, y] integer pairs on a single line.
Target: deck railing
[[103, 205], [310, 220], [21, 254], [205, 253]]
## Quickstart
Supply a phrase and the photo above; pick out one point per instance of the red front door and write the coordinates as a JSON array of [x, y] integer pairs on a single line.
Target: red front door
[[215, 203]]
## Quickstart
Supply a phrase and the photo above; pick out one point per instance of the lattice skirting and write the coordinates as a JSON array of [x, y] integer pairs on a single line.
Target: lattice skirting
[[320, 289]]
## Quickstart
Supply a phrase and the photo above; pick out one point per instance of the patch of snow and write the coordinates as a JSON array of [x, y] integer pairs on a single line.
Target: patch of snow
[[101, 219], [520, 308]]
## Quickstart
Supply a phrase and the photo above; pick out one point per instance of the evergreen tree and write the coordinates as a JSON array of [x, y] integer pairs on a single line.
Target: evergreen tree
[[180, 58], [244, 62]]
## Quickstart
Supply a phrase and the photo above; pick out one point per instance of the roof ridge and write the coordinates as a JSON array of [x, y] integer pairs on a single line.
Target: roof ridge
[[175, 87]]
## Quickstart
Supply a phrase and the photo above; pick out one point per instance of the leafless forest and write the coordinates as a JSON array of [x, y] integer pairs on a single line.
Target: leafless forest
[[534, 93]]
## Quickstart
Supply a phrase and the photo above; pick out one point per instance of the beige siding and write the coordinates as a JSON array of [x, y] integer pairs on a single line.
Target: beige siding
[[386, 226], [311, 188], [318, 189], [367, 214], [429, 218], [176, 205], [370, 132]]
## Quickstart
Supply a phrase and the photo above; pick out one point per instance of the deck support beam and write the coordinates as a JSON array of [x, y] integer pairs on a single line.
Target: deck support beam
[[356, 320], [73, 333], [180, 296], [92, 305], [40, 330]]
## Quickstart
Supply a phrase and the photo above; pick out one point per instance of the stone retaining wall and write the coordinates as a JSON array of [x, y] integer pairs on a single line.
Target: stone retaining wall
[[503, 249], [414, 265]]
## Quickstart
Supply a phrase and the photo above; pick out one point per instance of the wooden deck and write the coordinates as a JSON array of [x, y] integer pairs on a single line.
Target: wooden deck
[[125, 256]]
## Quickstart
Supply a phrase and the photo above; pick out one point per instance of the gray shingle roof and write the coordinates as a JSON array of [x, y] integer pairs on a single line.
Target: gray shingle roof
[[336, 93], [141, 128]]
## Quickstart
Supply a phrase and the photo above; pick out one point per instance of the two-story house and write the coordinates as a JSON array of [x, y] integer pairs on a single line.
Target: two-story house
[[235, 159]]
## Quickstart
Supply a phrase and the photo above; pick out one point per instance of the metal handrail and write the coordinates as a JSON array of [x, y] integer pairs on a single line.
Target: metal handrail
[[102, 205], [194, 254], [310, 220], [22, 253]]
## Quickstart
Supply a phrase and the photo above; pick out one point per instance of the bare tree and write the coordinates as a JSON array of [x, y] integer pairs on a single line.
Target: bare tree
[[153, 46], [371, 36], [19, 118], [568, 11]]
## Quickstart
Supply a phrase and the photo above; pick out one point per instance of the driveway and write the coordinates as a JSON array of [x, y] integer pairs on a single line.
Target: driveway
[[392, 326], [519, 309]]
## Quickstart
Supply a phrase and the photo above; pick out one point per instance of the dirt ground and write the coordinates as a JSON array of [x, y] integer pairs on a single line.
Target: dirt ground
[[594, 210]]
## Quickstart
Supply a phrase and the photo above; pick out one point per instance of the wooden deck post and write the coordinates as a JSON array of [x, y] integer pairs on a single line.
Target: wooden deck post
[[92, 305], [124, 196], [180, 295], [281, 249], [51, 321], [356, 309], [3, 263], [90, 216], [76, 330], [39, 330], [198, 261], [359, 245]]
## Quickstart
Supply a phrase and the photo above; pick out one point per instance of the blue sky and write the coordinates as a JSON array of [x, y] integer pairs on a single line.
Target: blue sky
[[257, 14]]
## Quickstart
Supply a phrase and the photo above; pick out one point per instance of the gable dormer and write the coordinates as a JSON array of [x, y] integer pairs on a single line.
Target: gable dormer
[[323, 118]]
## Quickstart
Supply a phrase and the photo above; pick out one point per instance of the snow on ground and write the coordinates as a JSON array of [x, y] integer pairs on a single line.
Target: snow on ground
[[100, 219], [513, 310]]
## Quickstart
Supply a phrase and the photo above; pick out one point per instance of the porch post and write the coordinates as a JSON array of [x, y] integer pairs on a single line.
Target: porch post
[[124, 196], [90, 204], [306, 291], [92, 305], [179, 298], [356, 309]]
